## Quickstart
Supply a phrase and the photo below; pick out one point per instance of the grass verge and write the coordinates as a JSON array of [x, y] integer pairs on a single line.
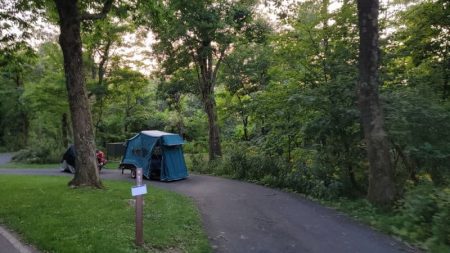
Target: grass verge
[[112, 165], [55, 218], [13, 165], [419, 219]]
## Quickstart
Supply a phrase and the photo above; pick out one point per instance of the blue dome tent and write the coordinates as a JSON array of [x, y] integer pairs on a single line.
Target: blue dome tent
[[158, 153]]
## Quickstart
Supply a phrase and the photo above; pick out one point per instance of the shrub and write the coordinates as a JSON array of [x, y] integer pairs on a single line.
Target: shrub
[[424, 216], [246, 164], [199, 163], [440, 226], [243, 163], [43, 152]]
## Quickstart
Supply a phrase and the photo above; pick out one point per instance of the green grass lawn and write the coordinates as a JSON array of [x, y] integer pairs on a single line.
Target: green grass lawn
[[13, 165], [112, 165], [56, 218]]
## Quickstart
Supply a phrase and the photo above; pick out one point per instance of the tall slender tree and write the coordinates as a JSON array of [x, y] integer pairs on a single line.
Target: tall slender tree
[[70, 19], [198, 35], [381, 190], [100, 38]]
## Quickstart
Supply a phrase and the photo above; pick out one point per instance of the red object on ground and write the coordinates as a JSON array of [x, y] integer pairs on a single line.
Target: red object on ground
[[101, 158]]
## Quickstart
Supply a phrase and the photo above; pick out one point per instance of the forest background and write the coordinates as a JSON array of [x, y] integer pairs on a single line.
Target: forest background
[[269, 97]]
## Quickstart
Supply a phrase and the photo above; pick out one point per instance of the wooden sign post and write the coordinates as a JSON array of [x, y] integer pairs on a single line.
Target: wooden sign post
[[138, 191]]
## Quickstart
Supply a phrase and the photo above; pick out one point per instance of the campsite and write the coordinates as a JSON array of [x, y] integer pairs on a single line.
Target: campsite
[[158, 153], [225, 126]]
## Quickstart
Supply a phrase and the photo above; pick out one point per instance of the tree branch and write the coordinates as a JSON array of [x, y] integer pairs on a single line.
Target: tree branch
[[219, 61], [94, 16], [197, 69]]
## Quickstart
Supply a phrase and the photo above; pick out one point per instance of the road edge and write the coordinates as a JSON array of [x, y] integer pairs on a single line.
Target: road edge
[[15, 242]]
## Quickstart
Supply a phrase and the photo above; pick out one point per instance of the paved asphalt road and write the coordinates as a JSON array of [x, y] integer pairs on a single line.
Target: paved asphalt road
[[5, 157], [243, 217]]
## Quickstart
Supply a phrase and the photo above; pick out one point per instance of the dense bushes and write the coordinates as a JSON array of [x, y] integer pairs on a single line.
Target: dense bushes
[[42, 152], [246, 164], [417, 123], [424, 216], [421, 218]]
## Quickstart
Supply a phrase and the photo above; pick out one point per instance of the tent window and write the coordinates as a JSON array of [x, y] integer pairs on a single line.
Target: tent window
[[137, 152], [143, 152]]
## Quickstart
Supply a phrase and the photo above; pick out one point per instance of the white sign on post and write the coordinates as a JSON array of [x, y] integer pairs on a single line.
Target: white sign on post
[[139, 190]]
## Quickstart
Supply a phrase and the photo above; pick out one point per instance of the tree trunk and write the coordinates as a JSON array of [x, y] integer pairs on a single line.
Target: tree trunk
[[381, 190], [179, 110], [101, 76], [103, 62], [244, 118], [215, 150], [207, 82], [351, 172], [351, 175], [24, 123], [325, 39], [245, 125], [263, 123], [70, 41], [64, 127], [445, 74], [126, 120]]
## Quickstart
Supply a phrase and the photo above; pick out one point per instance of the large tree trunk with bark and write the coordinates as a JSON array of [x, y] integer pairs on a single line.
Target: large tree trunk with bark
[[64, 132], [179, 110], [215, 150], [70, 42], [381, 190], [207, 80]]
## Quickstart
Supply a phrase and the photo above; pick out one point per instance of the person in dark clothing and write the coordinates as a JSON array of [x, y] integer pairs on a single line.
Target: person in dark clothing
[[68, 160]]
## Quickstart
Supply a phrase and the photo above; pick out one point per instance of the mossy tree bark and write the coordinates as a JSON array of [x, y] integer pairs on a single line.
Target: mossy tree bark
[[381, 190]]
